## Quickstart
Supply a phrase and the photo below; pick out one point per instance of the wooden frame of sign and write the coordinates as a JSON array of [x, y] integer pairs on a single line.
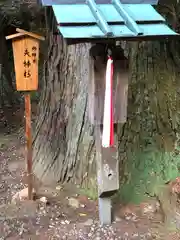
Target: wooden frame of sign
[[26, 56]]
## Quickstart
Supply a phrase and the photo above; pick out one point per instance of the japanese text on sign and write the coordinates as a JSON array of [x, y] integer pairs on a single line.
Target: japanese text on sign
[[27, 62], [34, 49]]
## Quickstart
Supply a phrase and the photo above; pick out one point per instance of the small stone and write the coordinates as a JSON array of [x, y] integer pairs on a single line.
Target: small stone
[[22, 230], [149, 209], [59, 187], [82, 214], [73, 202], [135, 235], [128, 217], [97, 238], [21, 195], [89, 234], [89, 222], [134, 218], [117, 219], [43, 199], [2, 188]]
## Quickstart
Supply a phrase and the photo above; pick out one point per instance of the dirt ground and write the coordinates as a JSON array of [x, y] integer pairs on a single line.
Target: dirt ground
[[68, 215]]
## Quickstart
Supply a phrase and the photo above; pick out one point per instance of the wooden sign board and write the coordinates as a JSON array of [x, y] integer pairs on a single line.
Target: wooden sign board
[[26, 57]]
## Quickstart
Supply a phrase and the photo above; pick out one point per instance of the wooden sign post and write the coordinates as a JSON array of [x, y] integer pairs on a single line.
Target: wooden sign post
[[26, 56]]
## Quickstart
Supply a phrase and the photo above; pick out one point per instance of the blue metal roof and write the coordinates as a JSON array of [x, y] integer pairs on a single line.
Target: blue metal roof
[[82, 13], [89, 21], [59, 2], [119, 31]]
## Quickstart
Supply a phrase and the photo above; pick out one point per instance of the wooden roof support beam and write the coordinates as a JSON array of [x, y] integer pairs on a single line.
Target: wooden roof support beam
[[16, 35], [22, 33]]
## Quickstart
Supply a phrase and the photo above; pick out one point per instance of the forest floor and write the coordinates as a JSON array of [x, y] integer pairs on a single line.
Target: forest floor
[[68, 214]]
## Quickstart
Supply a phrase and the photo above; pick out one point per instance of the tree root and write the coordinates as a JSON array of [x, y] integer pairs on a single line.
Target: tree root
[[169, 205]]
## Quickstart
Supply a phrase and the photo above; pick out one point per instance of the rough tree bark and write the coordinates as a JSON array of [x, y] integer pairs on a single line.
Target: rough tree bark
[[151, 136], [64, 143], [148, 144], [151, 133]]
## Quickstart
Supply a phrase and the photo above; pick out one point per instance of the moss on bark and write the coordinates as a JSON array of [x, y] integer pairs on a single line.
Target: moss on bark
[[150, 139]]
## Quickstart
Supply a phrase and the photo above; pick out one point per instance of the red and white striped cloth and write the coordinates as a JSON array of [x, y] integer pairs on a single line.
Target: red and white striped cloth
[[108, 123]]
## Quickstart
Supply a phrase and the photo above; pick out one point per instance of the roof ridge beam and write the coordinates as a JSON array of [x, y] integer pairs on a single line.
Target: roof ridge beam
[[129, 21], [101, 22]]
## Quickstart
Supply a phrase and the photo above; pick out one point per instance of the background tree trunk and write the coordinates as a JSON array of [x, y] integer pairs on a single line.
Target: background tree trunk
[[6, 86], [8, 97]]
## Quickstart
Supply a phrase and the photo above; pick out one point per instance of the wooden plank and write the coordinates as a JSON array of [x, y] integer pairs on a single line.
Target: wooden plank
[[26, 56], [33, 35], [91, 92], [16, 35], [120, 92], [107, 167]]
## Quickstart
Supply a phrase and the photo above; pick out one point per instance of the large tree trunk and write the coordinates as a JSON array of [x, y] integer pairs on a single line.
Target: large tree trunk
[[64, 143], [148, 144], [149, 140]]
